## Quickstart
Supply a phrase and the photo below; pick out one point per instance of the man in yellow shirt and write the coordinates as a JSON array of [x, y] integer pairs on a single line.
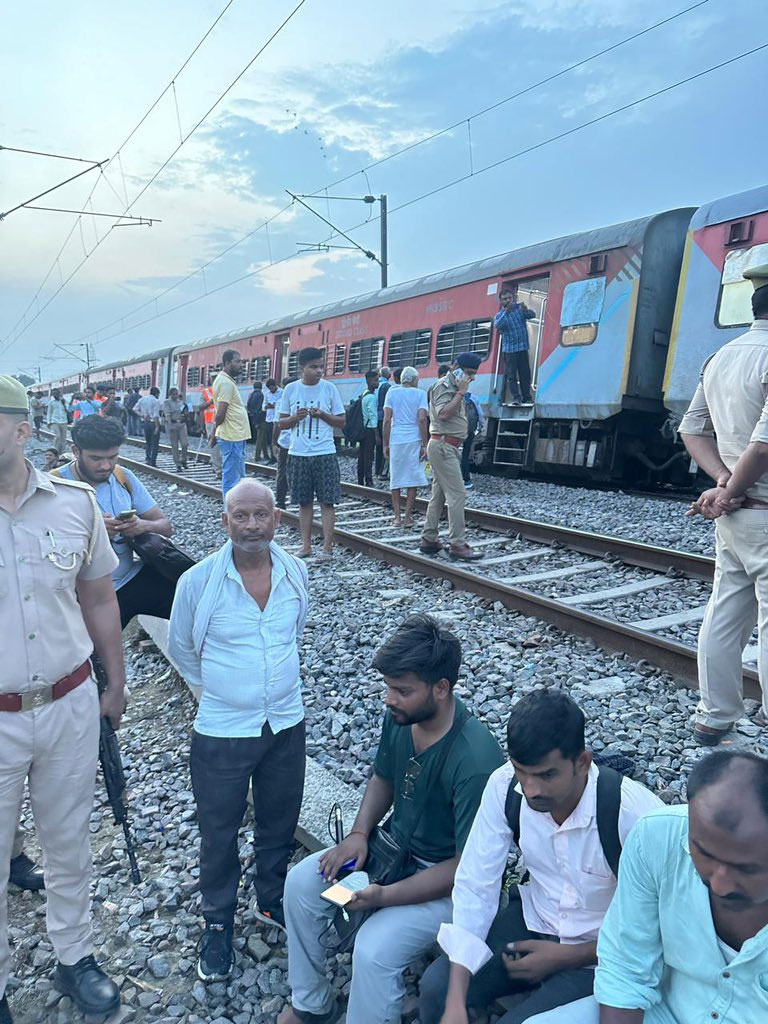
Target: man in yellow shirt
[[231, 428]]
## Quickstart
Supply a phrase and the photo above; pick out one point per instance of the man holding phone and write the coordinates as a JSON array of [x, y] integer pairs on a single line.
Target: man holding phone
[[419, 749], [128, 509], [511, 323], [448, 429]]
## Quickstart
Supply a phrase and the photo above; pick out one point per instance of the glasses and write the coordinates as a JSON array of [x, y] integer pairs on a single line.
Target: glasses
[[411, 777]]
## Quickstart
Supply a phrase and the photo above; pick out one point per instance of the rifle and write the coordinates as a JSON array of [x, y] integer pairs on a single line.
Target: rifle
[[114, 776]]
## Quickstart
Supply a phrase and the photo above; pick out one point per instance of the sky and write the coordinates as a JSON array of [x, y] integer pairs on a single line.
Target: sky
[[344, 85]]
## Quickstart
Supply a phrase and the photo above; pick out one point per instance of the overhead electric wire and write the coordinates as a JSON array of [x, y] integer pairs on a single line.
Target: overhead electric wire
[[363, 170], [466, 177], [122, 145]]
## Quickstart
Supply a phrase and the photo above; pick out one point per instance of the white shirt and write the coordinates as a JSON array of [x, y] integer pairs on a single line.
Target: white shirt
[[249, 670], [405, 403], [148, 407], [312, 436], [272, 414], [571, 884]]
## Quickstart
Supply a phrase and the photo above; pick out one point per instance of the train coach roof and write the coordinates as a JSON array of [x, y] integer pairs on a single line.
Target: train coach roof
[[146, 357], [631, 232], [743, 204]]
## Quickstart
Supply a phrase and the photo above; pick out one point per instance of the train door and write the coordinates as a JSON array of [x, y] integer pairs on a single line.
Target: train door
[[181, 363], [533, 293], [282, 349]]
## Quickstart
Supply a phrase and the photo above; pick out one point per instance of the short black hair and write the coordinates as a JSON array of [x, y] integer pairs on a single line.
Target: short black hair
[[396, 374], [52, 451], [715, 766], [422, 646], [155, 392], [760, 303], [543, 721], [372, 375], [98, 433], [442, 369], [257, 384], [228, 355], [271, 381], [309, 355]]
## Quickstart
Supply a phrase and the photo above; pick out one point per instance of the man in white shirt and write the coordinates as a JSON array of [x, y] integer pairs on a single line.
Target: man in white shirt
[[234, 632], [148, 408], [56, 419], [311, 408], [272, 398], [544, 943]]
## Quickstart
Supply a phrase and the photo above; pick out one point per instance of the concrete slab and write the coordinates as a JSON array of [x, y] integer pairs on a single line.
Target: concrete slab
[[625, 590], [673, 619], [321, 787]]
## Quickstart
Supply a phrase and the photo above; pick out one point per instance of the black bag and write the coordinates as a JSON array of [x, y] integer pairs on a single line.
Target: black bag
[[388, 861], [162, 554], [608, 808], [70, 414], [354, 431]]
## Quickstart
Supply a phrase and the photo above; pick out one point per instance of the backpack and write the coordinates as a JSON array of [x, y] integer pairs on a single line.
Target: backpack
[[473, 416], [354, 431], [608, 807]]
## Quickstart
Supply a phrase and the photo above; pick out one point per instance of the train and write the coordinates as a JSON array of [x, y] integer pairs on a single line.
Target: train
[[625, 317]]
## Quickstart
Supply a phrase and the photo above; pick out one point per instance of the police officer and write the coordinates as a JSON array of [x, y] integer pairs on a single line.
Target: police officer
[[57, 603], [726, 432], [448, 429], [174, 411]]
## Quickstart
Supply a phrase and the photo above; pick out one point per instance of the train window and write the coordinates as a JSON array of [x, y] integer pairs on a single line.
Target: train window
[[467, 336], [261, 367], [193, 377], [365, 355], [734, 307], [411, 348], [339, 358], [293, 364], [581, 311]]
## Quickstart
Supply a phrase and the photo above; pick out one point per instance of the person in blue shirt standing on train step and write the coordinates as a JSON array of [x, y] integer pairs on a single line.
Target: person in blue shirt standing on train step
[[511, 322]]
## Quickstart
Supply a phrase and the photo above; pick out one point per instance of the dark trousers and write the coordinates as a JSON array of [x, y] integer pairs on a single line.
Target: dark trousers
[[492, 980], [148, 593], [152, 441], [466, 455], [134, 425], [517, 371], [281, 485], [365, 454], [380, 461], [221, 771]]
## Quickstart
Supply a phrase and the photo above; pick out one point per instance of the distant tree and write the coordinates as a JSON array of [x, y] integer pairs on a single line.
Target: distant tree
[[25, 379]]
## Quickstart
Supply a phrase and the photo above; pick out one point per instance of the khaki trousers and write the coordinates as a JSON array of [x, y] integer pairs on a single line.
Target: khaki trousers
[[447, 488], [59, 431], [739, 601], [177, 435], [56, 748], [215, 451]]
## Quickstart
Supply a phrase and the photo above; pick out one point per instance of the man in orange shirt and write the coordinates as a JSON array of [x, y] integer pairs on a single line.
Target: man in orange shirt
[[209, 415]]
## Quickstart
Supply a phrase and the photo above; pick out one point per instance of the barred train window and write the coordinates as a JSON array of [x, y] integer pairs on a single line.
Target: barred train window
[[339, 358], [193, 376], [411, 348], [365, 355], [467, 336], [734, 306], [293, 364]]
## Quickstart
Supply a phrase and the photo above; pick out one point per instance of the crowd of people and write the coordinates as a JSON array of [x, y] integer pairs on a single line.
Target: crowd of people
[[619, 910]]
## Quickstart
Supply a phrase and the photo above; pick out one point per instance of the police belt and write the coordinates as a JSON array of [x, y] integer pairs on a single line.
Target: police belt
[[456, 442], [33, 699]]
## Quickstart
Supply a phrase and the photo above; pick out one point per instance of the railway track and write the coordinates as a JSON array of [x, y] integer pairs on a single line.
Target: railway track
[[538, 569]]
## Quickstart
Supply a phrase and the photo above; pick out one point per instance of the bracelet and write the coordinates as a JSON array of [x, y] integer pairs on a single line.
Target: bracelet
[[358, 832]]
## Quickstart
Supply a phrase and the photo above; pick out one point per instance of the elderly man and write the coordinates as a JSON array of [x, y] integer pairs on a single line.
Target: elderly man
[[56, 603], [234, 632], [448, 429]]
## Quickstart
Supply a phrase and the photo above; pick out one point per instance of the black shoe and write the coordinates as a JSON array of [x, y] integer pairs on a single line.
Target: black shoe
[[25, 874], [5, 1012], [215, 961], [271, 915], [89, 988]]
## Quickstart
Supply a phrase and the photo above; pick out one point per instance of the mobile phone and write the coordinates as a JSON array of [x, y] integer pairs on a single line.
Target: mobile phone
[[341, 892], [128, 514], [458, 373]]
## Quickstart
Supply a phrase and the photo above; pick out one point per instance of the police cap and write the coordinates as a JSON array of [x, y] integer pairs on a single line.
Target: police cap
[[757, 275], [13, 396]]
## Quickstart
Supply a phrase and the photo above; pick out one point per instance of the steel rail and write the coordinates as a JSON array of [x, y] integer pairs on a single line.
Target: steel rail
[[679, 660]]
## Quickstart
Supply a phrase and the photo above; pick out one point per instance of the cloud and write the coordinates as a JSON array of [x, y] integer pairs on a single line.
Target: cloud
[[293, 276]]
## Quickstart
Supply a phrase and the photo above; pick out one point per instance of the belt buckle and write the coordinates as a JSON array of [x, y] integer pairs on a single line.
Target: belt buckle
[[33, 699]]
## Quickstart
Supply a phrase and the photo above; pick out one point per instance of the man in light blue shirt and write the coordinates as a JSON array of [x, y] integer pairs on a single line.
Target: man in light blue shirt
[[87, 406], [235, 624], [685, 939]]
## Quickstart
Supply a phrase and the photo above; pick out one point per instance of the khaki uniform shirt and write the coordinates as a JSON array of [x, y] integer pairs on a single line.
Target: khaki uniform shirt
[[731, 401], [173, 411], [440, 394], [43, 545], [236, 426]]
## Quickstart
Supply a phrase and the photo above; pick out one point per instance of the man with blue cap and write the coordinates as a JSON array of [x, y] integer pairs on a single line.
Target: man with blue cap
[[448, 429]]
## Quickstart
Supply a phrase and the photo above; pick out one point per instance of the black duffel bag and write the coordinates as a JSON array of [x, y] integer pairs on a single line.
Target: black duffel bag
[[162, 554]]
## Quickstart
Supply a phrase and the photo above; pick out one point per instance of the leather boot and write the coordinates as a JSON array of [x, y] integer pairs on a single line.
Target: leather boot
[[25, 874], [89, 988], [5, 1011], [463, 553]]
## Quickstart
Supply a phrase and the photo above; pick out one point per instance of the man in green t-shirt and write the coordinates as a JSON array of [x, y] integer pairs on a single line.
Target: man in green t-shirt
[[420, 665]]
